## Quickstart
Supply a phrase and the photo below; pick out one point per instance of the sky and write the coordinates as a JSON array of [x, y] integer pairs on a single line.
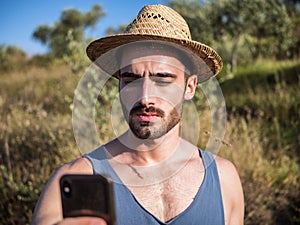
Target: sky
[[19, 18]]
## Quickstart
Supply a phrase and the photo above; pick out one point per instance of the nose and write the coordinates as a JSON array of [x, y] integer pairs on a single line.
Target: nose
[[147, 92]]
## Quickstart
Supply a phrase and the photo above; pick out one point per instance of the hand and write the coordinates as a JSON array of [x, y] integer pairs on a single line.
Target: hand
[[82, 221]]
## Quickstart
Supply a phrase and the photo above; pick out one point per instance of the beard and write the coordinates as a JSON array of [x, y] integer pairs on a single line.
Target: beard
[[153, 129]]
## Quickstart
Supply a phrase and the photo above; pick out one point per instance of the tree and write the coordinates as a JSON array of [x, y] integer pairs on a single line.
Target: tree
[[262, 27], [55, 37], [197, 15], [293, 8], [11, 56], [120, 29]]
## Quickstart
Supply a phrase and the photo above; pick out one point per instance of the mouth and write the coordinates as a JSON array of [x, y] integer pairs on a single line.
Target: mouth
[[147, 117]]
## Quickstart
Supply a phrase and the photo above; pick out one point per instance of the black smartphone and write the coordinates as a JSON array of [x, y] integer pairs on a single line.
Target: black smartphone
[[87, 195]]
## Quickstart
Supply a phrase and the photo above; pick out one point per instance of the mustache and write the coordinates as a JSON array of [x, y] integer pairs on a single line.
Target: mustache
[[144, 109]]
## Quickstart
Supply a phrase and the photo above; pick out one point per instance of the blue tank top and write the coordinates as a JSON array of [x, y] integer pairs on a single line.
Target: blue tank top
[[206, 209]]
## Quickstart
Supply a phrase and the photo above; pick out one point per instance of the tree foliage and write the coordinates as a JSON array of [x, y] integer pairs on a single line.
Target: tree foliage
[[11, 56], [116, 30], [9, 51], [56, 36], [240, 28]]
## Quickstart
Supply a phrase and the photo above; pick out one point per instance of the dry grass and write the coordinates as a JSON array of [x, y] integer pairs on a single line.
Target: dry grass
[[262, 137]]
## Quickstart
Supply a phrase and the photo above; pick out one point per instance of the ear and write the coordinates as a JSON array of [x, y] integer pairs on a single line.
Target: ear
[[190, 88]]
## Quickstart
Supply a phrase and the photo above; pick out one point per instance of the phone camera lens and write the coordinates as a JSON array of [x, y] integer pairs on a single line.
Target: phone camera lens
[[67, 189]]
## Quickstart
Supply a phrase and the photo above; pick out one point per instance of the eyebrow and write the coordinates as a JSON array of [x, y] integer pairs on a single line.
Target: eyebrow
[[171, 75], [159, 74], [129, 74]]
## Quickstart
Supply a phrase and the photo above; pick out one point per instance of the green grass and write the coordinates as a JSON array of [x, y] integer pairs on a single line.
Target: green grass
[[268, 92], [262, 136], [264, 110]]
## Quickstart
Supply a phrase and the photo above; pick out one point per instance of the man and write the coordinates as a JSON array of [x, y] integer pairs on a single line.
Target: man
[[159, 178]]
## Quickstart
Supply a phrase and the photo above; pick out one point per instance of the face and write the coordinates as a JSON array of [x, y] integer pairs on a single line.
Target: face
[[152, 90]]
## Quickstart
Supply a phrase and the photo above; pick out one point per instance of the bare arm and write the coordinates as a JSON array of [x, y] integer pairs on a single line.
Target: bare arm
[[48, 209], [232, 192]]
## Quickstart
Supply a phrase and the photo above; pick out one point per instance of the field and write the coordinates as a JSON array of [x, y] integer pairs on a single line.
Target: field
[[262, 136]]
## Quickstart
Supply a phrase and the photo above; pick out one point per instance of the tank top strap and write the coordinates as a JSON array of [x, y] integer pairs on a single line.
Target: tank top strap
[[101, 164], [207, 158]]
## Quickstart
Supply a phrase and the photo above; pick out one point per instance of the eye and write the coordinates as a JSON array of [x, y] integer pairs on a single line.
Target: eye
[[163, 79], [129, 77], [127, 81]]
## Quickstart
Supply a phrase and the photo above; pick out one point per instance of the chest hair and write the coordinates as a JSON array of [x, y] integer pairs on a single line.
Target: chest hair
[[170, 197]]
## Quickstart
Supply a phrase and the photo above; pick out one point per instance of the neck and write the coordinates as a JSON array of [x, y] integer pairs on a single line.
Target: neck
[[138, 152], [153, 162]]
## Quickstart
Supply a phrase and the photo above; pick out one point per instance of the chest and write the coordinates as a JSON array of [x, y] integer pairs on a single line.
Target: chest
[[169, 197]]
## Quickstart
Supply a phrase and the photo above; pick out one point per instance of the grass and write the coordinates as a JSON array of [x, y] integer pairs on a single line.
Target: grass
[[35, 135], [262, 136], [270, 183], [263, 129]]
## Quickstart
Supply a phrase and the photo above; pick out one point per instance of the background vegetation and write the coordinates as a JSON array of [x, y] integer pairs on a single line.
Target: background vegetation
[[259, 41]]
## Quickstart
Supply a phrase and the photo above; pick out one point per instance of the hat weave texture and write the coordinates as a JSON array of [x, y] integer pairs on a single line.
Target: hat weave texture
[[160, 23]]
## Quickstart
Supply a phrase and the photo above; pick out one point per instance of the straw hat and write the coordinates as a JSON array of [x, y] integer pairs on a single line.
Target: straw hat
[[157, 23]]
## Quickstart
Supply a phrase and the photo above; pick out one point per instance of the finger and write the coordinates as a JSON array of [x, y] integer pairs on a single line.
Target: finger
[[82, 221]]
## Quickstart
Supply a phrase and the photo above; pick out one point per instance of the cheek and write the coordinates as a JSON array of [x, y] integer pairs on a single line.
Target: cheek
[[128, 98], [174, 96]]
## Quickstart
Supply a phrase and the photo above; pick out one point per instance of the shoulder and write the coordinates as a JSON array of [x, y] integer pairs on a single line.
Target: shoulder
[[229, 177], [232, 191], [226, 168], [80, 165]]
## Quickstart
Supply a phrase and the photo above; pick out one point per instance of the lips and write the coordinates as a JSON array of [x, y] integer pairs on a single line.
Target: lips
[[145, 114], [147, 117]]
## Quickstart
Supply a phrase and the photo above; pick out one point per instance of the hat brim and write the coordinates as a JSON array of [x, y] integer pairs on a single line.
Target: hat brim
[[102, 52]]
